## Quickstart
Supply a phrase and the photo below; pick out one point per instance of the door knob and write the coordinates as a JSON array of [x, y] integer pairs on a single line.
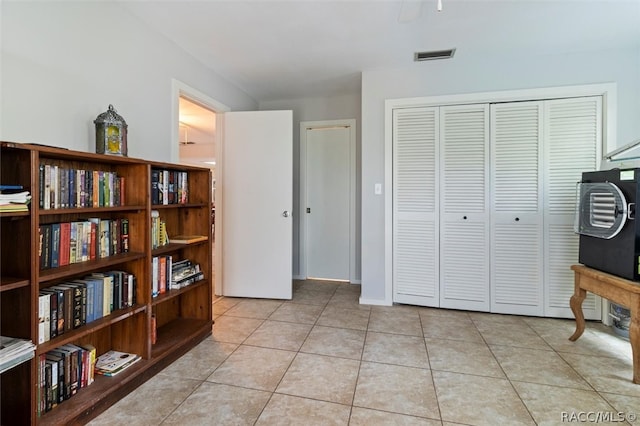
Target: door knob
[[286, 213]]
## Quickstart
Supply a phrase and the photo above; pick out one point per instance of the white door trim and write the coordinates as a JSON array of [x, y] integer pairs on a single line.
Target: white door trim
[[304, 125], [608, 91], [179, 89]]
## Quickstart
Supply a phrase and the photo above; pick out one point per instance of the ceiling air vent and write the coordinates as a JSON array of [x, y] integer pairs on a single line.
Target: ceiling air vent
[[433, 54]]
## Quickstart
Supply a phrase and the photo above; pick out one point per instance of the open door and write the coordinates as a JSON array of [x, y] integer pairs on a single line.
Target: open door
[[257, 203]]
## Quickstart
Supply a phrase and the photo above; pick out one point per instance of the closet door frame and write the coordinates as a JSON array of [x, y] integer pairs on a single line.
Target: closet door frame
[[608, 91]]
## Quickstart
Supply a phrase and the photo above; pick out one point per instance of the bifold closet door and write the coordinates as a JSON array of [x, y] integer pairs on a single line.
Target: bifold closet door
[[464, 206], [415, 206], [516, 221], [573, 137]]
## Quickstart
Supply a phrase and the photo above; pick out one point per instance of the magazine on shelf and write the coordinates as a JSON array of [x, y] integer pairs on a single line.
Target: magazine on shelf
[[113, 362]]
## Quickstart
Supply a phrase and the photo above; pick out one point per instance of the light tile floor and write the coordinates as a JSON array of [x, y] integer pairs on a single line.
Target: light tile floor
[[323, 359]]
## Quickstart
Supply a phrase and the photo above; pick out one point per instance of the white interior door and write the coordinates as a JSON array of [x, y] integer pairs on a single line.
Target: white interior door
[[415, 206], [257, 176], [464, 207], [327, 210], [517, 245], [573, 135]]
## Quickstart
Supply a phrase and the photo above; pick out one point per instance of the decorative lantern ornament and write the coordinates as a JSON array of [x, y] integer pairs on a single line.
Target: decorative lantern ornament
[[111, 133]]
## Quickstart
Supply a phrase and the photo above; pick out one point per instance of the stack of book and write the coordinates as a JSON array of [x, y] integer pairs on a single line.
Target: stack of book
[[184, 273], [13, 198], [114, 362], [14, 351], [62, 372]]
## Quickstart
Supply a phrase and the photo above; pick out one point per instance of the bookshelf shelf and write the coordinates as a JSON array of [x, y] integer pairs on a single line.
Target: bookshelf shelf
[[92, 327], [11, 283], [88, 266], [17, 215], [161, 298], [175, 246], [177, 332], [90, 401], [183, 317], [91, 210], [177, 206]]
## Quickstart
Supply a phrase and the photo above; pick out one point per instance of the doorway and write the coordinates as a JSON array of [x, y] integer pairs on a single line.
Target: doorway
[[327, 186], [196, 136]]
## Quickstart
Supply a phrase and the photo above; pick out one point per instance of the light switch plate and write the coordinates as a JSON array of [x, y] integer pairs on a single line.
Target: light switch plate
[[377, 189]]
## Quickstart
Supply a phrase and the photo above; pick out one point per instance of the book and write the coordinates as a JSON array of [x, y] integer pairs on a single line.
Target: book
[[113, 362], [57, 303], [44, 317], [64, 257], [13, 208], [155, 276], [91, 350], [187, 239], [124, 236], [52, 313], [10, 187], [54, 262], [162, 274]]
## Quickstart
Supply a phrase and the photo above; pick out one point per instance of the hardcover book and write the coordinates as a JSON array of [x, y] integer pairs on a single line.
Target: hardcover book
[[187, 239]]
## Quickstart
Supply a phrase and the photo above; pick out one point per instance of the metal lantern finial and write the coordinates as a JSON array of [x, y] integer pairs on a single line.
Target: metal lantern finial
[[111, 133]]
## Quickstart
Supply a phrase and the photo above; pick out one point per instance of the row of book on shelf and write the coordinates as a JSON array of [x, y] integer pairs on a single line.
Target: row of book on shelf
[[169, 187], [74, 303], [65, 370], [65, 243], [13, 198], [62, 188], [167, 274], [159, 236]]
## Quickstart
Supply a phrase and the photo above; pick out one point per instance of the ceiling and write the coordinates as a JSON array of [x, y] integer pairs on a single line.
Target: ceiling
[[299, 48]]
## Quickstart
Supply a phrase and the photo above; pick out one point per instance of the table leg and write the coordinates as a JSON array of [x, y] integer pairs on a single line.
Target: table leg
[[578, 297], [634, 338]]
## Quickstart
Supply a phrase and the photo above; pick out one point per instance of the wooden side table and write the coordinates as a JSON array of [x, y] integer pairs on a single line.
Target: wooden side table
[[619, 290]]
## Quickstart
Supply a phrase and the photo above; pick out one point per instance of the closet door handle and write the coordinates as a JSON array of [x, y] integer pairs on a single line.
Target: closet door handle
[[517, 219]]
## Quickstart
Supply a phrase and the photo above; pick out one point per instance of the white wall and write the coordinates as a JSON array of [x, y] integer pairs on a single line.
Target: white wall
[[316, 109], [467, 75], [63, 63]]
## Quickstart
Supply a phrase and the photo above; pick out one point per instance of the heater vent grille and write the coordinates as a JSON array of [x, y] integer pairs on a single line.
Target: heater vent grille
[[433, 54]]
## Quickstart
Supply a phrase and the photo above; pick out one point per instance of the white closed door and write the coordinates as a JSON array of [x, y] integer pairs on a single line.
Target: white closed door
[[464, 206], [257, 170], [327, 211], [416, 251], [516, 221], [573, 135]]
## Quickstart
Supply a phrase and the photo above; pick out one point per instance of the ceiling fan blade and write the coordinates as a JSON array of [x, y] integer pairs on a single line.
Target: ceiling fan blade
[[410, 10]]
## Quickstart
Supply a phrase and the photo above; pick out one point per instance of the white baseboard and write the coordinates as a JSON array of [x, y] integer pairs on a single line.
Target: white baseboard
[[355, 282], [299, 277], [377, 302]]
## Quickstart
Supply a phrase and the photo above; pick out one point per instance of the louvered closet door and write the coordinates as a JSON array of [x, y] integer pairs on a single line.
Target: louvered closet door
[[464, 222], [573, 136], [516, 217], [415, 213]]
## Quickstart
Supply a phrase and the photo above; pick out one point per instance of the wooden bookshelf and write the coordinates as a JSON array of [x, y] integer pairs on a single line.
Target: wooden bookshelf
[[183, 317]]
